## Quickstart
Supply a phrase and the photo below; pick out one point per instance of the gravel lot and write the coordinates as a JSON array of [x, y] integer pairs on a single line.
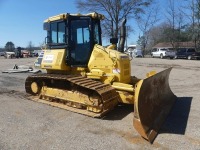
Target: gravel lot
[[25, 124]]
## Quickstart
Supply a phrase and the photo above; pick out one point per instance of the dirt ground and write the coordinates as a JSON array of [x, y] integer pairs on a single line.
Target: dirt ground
[[25, 124]]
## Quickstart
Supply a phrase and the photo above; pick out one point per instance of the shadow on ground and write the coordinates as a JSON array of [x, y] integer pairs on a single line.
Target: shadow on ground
[[176, 122], [119, 112]]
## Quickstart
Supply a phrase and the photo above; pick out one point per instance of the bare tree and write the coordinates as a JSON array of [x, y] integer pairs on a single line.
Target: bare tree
[[115, 11], [181, 24], [171, 17], [189, 10], [42, 45], [155, 34], [192, 8], [30, 46], [197, 24], [145, 23]]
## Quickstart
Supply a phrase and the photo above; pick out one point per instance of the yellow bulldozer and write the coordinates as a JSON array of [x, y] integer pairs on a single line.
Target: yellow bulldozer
[[87, 78]]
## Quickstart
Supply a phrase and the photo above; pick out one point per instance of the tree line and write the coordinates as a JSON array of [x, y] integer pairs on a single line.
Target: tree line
[[177, 21], [10, 47], [181, 23]]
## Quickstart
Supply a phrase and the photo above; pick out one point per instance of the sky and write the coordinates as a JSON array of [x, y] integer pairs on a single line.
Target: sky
[[21, 21]]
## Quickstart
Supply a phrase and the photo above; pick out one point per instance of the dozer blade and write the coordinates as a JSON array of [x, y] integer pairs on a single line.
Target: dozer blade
[[153, 102]]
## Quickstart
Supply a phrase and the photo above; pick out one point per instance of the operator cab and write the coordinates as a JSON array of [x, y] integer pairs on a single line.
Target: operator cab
[[77, 34]]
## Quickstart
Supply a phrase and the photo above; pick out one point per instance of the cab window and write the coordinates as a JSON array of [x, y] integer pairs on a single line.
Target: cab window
[[154, 50], [80, 41], [191, 50], [96, 34], [58, 32]]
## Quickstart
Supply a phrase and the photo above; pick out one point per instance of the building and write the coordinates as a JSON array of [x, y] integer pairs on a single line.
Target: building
[[168, 45]]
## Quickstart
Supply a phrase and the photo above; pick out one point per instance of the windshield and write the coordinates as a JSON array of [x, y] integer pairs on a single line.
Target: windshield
[[58, 32], [181, 50]]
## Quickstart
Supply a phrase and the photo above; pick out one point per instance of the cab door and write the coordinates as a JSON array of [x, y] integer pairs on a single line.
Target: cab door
[[80, 41]]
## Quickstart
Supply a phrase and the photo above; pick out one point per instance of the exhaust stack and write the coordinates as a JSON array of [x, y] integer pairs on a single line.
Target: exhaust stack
[[122, 36]]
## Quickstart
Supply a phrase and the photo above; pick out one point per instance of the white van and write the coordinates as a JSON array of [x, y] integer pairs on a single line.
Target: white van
[[133, 51], [137, 53]]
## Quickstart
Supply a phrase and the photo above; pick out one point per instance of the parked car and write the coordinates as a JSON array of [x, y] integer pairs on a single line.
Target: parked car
[[2, 53], [9, 55], [185, 53], [137, 53], [196, 55], [37, 52], [163, 53], [133, 51], [130, 49]]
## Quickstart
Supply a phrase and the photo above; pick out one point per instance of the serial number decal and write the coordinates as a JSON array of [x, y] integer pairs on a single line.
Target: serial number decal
[[116, 71], [48, 57]]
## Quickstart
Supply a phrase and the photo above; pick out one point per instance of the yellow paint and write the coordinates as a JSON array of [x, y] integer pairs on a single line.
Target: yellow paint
[[126, 97], [105, 65], [71, 96], [151, 73], [114, 66], [137, 91], [54, 60], [74, 97], [34, 87], [64, 16], [112, 46]]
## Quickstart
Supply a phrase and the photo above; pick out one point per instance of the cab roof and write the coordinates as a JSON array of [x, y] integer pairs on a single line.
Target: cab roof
[[64, 16]]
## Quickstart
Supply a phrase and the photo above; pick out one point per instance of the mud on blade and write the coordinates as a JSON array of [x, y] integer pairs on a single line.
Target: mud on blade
[[153, 102]]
